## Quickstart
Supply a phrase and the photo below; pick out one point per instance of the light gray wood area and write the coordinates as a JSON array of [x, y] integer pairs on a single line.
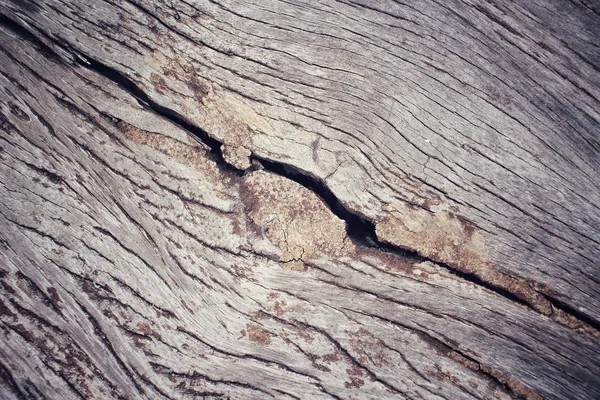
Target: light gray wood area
[[488, 110], [155, 241]]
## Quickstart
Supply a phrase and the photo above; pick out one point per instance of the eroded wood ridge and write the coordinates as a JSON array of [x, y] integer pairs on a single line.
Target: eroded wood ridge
[[138, 262]]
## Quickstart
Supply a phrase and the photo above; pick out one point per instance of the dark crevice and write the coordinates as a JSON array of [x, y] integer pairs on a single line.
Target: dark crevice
[[173, 116], [23, 33], [124, 83], [360, 230], [559, 305], [51, 176], [9, 381]]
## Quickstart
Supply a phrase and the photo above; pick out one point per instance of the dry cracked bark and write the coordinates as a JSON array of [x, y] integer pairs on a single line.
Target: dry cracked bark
[[299, 200]]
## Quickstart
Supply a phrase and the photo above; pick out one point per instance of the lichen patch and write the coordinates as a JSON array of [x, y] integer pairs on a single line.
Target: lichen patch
[[446, 238], [258, 335], [182, 152], [295, 219], [238, 156], [440, 236], [228, 118]]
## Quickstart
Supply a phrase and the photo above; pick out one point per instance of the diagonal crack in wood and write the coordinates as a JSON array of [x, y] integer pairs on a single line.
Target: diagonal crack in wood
[[375, 234], [360, 230], [442, 230]]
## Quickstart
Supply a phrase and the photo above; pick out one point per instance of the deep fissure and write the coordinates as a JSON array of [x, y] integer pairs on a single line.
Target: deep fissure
[[173, 116], [559, 305], [359, 229]]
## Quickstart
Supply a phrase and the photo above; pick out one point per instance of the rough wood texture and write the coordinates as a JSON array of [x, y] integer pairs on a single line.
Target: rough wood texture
[[211, 199]]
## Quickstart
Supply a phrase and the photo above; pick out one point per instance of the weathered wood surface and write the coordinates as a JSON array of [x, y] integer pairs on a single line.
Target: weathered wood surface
[[137, 262]]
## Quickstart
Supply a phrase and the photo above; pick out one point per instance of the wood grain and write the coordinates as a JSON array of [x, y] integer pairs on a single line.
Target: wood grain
[[157, 240], [485, 109]]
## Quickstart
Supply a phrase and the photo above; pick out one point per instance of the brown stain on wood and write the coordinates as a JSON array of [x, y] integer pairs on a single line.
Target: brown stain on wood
[[440, 236], [258, 335], [190, 155], [447, 238], [293, 218], [229, 119], [368, 348]]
